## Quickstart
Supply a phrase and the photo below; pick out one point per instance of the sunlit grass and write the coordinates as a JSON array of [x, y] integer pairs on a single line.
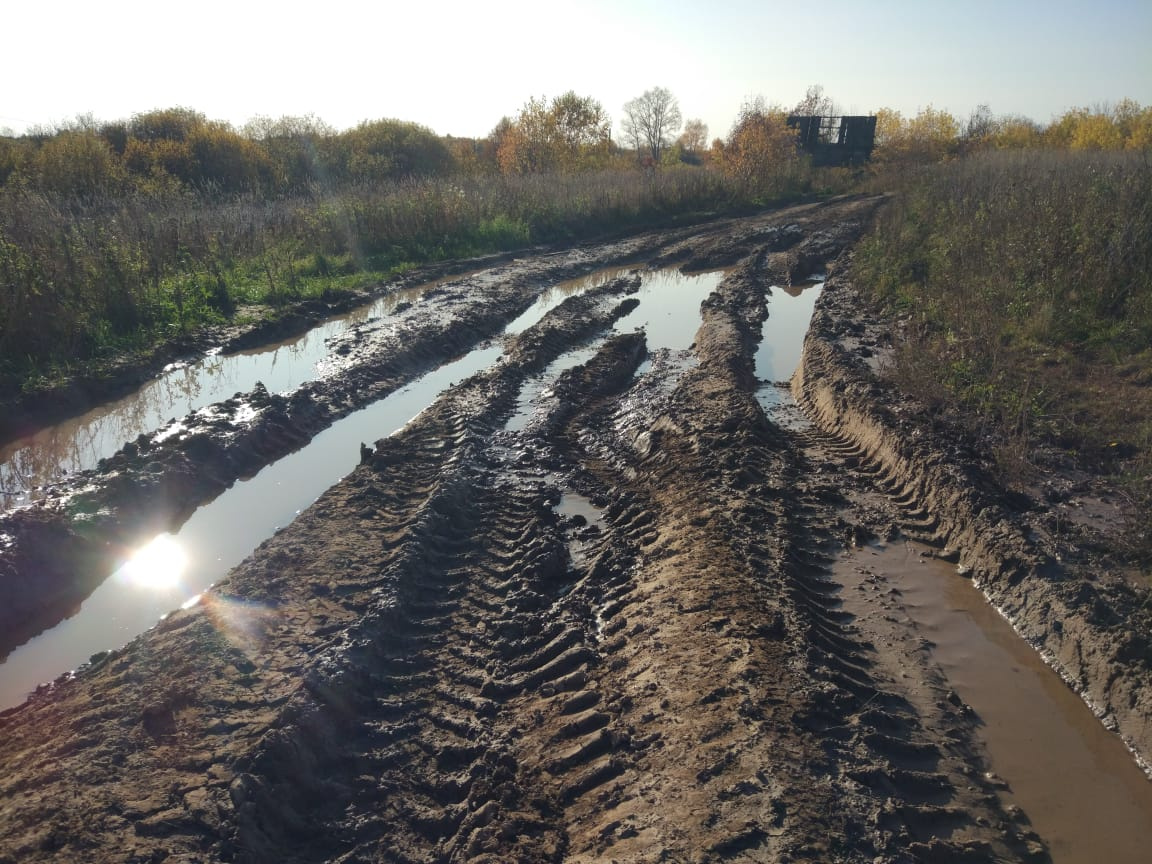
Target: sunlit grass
[[1024, 285]]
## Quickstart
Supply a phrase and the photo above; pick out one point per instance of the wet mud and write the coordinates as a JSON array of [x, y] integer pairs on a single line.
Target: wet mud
[[1074, 605], [58, 549], [613, 630]]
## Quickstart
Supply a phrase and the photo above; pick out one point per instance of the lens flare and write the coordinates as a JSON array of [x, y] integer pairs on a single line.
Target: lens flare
[[157, 566]]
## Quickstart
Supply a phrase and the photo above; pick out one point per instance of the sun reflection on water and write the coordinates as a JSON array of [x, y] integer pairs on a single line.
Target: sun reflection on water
[[157, 565]]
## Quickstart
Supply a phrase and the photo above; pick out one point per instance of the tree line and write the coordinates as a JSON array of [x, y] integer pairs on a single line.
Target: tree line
[[170, 150], [173, 149], [115, 235]]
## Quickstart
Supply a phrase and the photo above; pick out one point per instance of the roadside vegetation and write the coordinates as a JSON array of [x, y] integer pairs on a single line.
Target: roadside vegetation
[[1021, 276], [116, 236], [1018, 256]]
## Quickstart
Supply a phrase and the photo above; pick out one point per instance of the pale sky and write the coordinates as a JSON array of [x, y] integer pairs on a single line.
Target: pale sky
[[458, 67]]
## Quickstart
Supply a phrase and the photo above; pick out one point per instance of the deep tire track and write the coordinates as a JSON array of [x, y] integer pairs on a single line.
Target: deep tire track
[[432, 665]]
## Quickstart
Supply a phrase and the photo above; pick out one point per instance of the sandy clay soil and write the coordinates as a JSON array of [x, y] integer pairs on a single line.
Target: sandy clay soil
[[615, 633]]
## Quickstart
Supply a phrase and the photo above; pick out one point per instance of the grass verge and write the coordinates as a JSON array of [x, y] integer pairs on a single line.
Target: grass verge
[[1023, 286]]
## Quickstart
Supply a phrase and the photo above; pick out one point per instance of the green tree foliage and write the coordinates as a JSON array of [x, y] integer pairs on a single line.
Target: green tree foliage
[[582, 130]]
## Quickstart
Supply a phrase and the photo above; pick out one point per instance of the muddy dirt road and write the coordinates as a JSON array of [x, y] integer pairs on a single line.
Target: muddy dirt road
[[638, 610]]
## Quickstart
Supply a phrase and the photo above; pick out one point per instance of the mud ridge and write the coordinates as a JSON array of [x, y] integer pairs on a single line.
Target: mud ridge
[[436, 662], [1087, 625]]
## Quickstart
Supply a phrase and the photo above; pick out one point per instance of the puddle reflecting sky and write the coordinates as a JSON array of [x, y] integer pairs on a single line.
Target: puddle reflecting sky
[[789, 313], [79, 443], [558, 293], [537, 388], [574, 504], [174, 569], [219, 535], [669, 309]]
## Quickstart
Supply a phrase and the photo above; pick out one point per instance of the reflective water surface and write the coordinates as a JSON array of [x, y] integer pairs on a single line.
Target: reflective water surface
[[219, 535], [175, 568], [79, 443], [669, 313], [669, 309], [789, 313]]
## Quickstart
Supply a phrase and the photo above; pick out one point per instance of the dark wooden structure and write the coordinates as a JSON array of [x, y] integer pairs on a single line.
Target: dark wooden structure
[[836, 140]]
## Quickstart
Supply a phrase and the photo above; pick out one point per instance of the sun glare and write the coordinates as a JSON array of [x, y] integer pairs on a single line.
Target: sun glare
[[158, 565]]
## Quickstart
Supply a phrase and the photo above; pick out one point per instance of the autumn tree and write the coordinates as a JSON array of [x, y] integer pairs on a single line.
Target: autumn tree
[[1123, 126], [930, 136], [183, 145], [982, 128], [761, 152], [77, 162], [226, 161], [816, 103], [693, 141], [581, 128], [650, 121], [385, 149], [1018, 132], [568, 133], [15, 154], [291, 145]]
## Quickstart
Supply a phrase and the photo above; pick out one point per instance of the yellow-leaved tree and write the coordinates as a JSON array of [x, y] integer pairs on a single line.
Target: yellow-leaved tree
[[761, 151], [568, 133], [930, 136]]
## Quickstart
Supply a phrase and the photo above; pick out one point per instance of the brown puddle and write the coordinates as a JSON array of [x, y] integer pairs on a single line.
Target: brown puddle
[[1077, 783]]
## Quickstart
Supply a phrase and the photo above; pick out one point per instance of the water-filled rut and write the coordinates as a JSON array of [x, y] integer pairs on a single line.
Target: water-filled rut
[[1075, 780], [554, 571], [32, 463], [172, 569]]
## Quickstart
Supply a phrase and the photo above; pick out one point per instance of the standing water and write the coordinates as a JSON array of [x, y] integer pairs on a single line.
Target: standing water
[[47, 456], [669, 309], [789, 313], [1075, 780], [668, 312], [173, 569]]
